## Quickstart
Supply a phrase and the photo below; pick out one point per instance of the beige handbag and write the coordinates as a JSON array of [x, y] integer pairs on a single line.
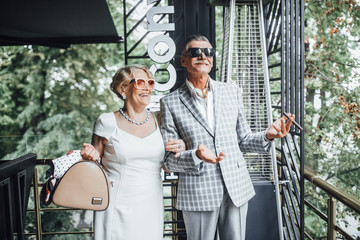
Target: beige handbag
[[85, 185]]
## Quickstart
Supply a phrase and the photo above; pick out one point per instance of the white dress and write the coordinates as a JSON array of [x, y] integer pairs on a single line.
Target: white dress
[[135, 209]]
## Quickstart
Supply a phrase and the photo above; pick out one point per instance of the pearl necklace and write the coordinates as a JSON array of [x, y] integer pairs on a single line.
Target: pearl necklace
[[132, 121]]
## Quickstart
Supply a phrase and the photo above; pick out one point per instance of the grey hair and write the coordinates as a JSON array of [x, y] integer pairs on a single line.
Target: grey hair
[[126, 74], [195, 37]]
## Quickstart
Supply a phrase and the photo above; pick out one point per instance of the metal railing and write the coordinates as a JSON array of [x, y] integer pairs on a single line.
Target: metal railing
[[333, 195], [38, 210], [173, 228], [283, 22]]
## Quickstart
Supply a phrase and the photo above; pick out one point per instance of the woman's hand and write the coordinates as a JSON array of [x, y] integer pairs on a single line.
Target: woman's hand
[[165, 169], [89, 152], [176, 146]]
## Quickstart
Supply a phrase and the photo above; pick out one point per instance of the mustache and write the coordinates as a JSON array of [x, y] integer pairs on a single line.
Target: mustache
[[202, 61]]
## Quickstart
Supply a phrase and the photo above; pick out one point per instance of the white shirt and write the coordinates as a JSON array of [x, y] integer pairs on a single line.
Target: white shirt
[[206, 109]]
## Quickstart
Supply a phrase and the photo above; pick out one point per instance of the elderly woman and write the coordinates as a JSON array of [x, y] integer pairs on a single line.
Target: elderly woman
[[131, 149]]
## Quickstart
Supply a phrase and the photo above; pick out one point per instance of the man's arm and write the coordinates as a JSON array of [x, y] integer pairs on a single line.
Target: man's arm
[[183, 163], [248, 141]]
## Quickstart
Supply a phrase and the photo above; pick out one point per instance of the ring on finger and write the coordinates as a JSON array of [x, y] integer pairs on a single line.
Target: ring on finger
[[279, 133], [180, 145]]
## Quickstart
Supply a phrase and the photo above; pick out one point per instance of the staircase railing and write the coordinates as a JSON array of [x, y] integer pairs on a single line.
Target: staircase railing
[[330, 216], [173, 225], [174, 228], [334, 195]]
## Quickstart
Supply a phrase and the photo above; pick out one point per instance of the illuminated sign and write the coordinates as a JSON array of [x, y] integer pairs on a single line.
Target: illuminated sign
[[170, 53]]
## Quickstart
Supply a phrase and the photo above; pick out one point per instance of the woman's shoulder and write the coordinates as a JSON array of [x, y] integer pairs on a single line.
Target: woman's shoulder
[[105, 125], [106, 116]]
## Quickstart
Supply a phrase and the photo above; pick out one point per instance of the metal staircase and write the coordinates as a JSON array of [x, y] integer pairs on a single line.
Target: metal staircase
[[248, 35], [246, 64]]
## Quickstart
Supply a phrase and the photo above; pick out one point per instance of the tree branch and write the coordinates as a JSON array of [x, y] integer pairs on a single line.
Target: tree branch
[[348, 65], [343, 172], [322, 75], [322, 118]]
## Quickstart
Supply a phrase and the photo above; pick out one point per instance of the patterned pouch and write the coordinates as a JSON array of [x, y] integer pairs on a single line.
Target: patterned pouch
[[63, 163], [58, 168]]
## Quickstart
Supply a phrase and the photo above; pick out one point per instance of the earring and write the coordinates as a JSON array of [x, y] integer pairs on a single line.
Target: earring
[[123, 96]]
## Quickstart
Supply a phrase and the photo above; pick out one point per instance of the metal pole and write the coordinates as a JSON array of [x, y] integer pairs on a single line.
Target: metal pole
[[282, 27], [331, 218], [269, 110], [37, 207], [125, 33], [302, 112], [231, 40]]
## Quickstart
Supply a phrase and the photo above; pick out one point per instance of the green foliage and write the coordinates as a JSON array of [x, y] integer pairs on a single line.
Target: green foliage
[[50, 101], [58, 222], [53, 96], [332, 119]]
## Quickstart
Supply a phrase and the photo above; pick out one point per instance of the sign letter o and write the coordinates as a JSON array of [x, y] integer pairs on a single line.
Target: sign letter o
[[168, 55], [163, 87]]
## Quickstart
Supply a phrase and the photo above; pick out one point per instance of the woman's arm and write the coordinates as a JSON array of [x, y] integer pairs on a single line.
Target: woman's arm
[[95, 150], [176, 146]]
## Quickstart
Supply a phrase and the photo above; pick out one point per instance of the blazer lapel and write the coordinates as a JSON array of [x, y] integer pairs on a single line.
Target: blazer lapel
[[217, 104], [188, 101]]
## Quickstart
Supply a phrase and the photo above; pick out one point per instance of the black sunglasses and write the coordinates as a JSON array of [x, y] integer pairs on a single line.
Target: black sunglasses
[[196, 52]]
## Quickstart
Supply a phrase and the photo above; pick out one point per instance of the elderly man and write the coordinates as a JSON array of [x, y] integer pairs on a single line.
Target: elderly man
[[214, 183]]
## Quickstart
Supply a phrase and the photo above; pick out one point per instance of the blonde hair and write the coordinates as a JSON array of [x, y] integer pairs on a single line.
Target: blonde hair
[[126, 74]]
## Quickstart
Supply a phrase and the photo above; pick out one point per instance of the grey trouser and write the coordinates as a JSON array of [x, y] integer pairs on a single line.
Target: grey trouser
[[229, 220]]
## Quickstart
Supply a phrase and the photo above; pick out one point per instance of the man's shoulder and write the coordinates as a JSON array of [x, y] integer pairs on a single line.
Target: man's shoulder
[[171, 96], [225, 86]]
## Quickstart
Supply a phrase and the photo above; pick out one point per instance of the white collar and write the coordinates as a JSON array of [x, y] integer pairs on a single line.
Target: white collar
[[192, 88]]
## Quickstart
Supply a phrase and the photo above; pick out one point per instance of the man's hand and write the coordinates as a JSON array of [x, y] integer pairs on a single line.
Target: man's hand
[[89, 152], [207, 155], [279, 128]]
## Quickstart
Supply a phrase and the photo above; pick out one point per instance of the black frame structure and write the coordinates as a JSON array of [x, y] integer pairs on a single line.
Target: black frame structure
[[56, 24], [284, 35], [189, 18], [15, 182], [284, 30]]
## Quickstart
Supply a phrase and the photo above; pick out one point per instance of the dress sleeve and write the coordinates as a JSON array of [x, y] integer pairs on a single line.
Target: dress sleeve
[[105, 125], [156, 115]]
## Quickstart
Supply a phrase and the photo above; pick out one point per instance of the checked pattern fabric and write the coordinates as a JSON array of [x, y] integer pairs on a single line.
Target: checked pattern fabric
[[201, 186]]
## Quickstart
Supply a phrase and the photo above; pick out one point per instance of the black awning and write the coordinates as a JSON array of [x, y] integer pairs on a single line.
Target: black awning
[[56, 23]]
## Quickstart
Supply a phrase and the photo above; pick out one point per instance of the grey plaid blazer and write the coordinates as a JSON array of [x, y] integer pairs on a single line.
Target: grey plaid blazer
[[201, 186]]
